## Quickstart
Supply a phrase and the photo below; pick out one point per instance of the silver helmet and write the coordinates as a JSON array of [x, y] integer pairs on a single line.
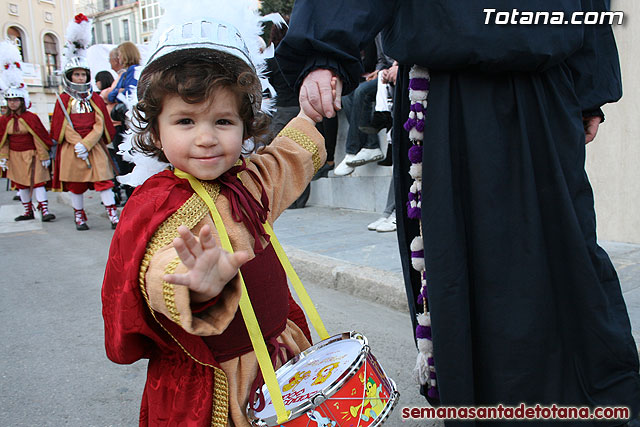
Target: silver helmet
[[18, 92], [205, 38], [77, 90]]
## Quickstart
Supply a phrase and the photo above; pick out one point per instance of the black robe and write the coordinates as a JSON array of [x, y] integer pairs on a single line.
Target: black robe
[[525, 306]]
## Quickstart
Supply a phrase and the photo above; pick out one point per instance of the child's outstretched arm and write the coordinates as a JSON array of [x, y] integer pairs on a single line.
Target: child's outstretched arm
[[210, 267]]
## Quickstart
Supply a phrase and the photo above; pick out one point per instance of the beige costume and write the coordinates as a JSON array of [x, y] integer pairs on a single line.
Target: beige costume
[[17, 172]]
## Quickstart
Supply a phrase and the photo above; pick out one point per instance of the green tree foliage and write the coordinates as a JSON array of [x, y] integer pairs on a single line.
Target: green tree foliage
[[283, 7]]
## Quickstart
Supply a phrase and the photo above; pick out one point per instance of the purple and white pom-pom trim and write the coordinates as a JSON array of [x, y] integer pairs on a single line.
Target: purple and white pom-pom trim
[[419, 83]]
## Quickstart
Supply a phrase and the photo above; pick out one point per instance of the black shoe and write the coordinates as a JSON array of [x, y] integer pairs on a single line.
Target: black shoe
[[82, 227], [48, 217], [323, 172], [25, 217], [379, 120], [16, 197], [114, 225], [387, 161]]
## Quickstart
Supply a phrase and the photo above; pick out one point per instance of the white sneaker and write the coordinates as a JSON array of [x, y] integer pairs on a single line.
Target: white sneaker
[[376, 223], [366, 155], [388, 224], [343, 168]]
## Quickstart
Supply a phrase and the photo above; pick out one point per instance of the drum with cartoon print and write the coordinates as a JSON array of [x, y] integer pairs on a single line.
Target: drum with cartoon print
[[335, 383]]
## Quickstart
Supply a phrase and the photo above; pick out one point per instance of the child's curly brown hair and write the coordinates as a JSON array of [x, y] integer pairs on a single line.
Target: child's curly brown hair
[[195, 81]]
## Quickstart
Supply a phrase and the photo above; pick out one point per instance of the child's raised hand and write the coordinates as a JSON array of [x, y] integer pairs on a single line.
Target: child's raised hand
[[210, 267]]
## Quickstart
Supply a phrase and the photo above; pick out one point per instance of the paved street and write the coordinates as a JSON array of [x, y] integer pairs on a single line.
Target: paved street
[[54, 370]]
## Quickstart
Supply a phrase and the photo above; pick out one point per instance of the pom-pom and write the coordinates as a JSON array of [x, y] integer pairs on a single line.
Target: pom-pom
[[409, 124], [413, 212], [417, 107], [433, 392], [420, 125], [416, 244], [416, 135], [425, 347], [418, 72], [415, 154], [419, 84], [421, 370], [417, 263], [415, 170], [417, 95], [79, 18], [423, 332], [424, 319]]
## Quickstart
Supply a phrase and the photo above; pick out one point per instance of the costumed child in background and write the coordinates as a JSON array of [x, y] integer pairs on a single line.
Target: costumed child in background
[[24, 141], [83, 129], [170, 293]]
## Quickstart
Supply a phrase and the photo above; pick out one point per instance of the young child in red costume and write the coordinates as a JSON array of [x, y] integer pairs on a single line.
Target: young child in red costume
[[24, 142], [82, 160], [170, 293]]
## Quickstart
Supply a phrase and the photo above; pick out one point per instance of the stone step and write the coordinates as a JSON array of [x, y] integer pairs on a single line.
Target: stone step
[[365, 189]]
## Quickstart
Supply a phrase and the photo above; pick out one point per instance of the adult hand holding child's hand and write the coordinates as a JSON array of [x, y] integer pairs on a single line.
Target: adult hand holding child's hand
[[335, 86], [321, 95], [210, 267]]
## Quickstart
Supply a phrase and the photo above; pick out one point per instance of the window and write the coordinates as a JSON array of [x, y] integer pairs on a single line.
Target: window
[[107, 30], [150, 11], [15, 34], [125, 30], [93, 35], [51, 53], [106, 4]]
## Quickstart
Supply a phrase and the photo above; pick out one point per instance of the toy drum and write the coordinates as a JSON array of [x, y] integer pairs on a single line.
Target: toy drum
[[335, 383]]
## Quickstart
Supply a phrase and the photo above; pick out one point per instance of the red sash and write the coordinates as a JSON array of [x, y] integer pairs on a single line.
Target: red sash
[[266, 283], [21, 142]]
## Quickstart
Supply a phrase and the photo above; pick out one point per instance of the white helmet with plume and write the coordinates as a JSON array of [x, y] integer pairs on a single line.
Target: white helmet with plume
[[78, 39], [11, 72]]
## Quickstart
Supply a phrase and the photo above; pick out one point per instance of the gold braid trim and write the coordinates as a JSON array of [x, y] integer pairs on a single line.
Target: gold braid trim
[[219, 412], [169, 291], [189, 214], [305, 142]]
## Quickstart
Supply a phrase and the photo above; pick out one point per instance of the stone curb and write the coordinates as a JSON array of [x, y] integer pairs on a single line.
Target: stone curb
[[378, 286]]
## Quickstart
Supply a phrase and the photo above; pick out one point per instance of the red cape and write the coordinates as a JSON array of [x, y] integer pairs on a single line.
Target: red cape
[[58, 119], [33, 121], [178, 388]]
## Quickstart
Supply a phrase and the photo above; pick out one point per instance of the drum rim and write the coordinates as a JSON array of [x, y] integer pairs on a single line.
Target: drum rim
[[328, 391]]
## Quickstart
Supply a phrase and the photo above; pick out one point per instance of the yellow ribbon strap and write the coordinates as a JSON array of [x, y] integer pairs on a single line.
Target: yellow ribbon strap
[[249, 316], [305, 299]]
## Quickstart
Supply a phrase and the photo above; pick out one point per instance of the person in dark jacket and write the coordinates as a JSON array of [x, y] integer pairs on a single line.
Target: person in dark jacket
[[522, 303]]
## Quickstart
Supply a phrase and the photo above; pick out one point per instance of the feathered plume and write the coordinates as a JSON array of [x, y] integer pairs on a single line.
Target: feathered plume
[[11, 74], [78, 37], [11, 63], [242, 14]]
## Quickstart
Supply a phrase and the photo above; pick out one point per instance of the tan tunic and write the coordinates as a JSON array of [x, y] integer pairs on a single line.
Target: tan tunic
[[285, 168], [73, 169], [21, 163]]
